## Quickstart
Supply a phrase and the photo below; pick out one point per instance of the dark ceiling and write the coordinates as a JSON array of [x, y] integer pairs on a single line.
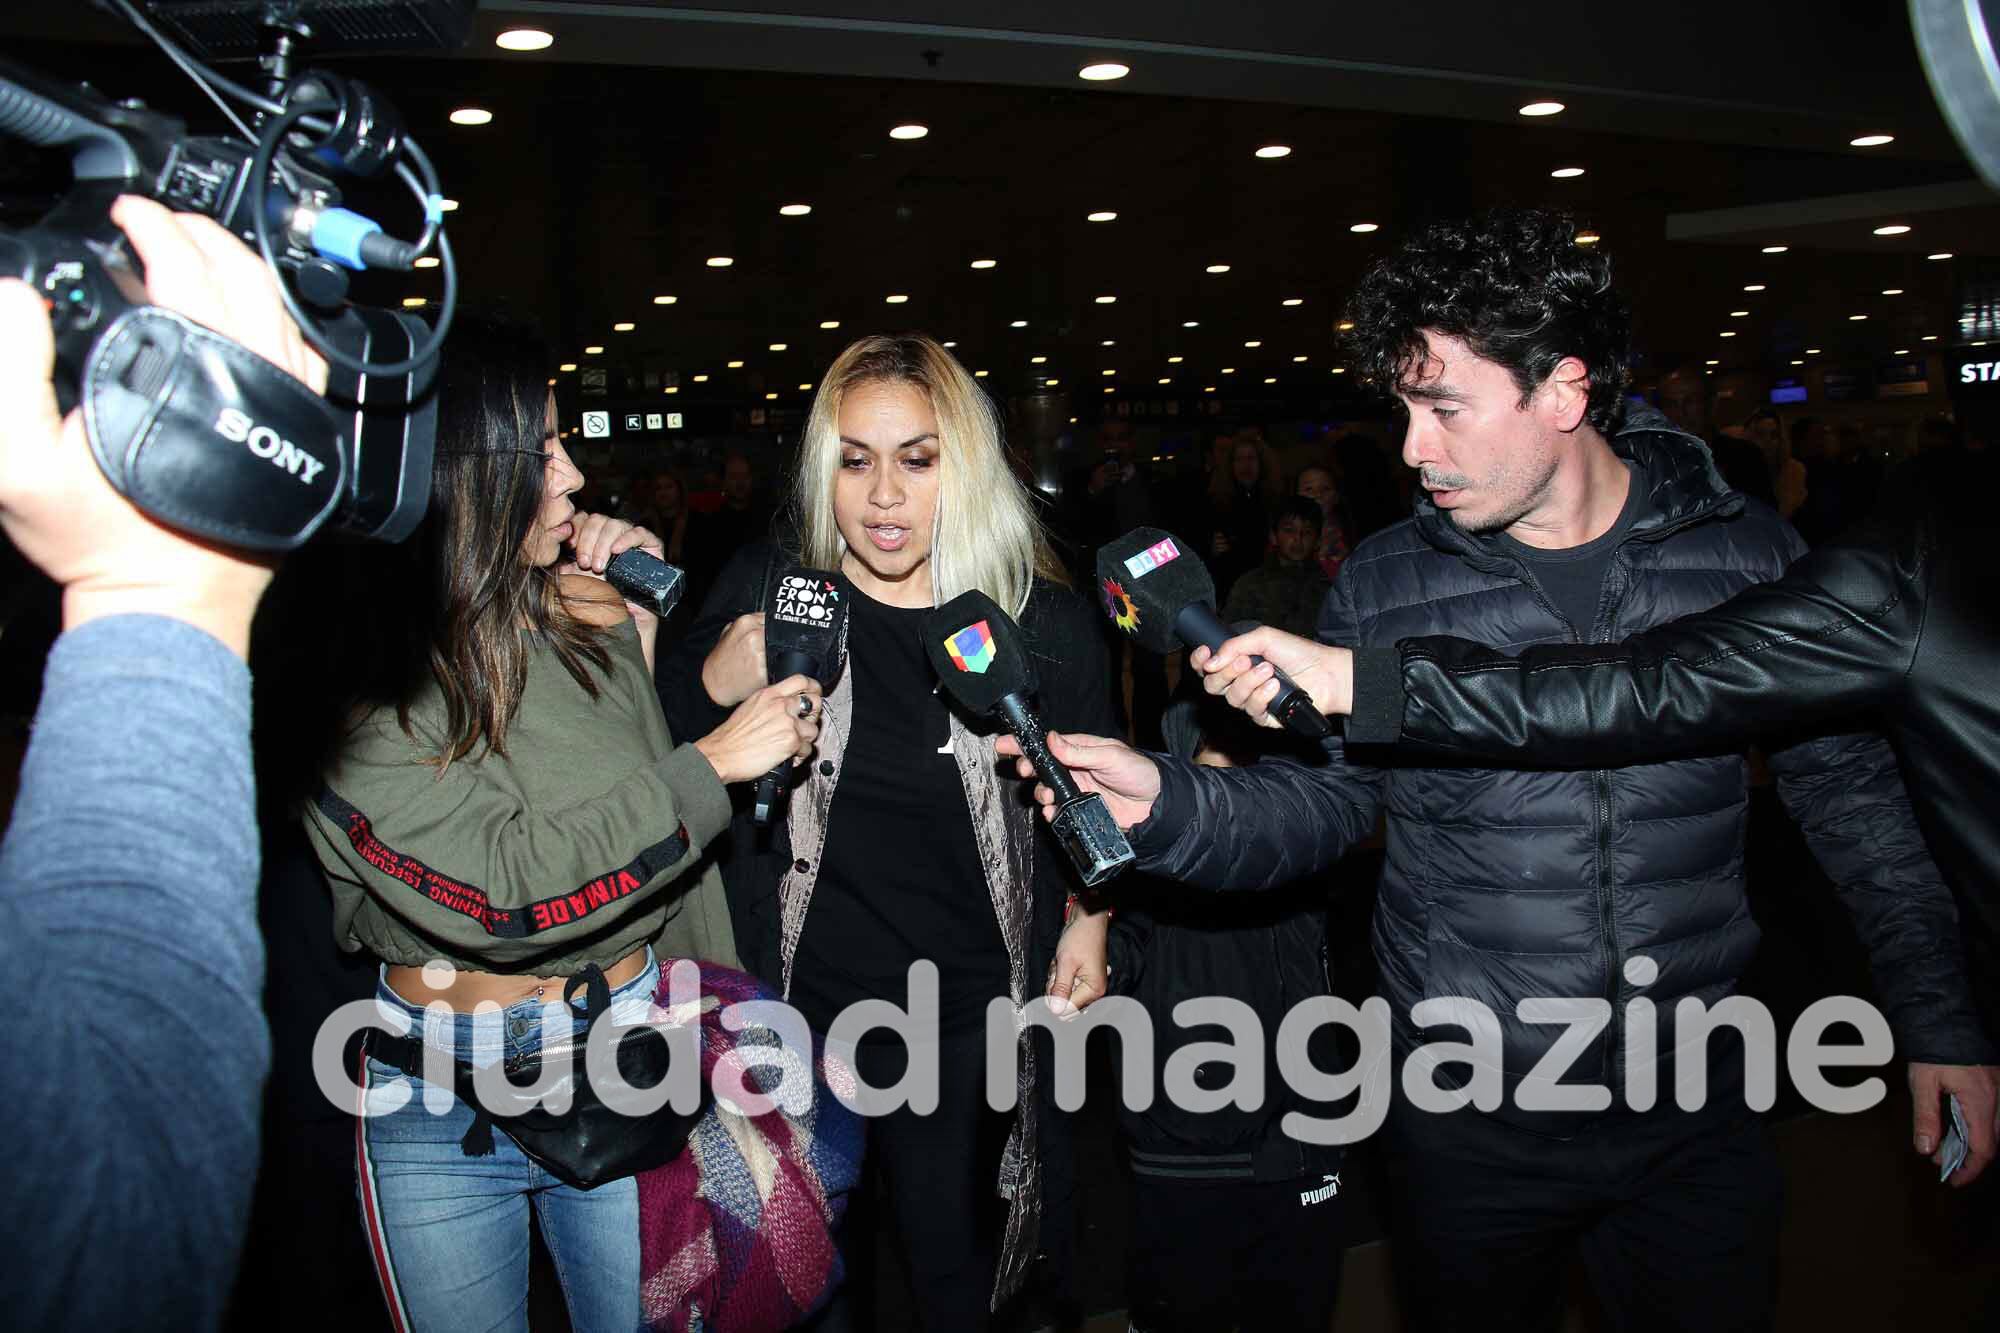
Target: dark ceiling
[[651, 138]]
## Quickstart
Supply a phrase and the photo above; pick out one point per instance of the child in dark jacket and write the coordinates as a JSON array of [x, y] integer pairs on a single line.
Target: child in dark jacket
[[1234, 1222], [1286, 590]]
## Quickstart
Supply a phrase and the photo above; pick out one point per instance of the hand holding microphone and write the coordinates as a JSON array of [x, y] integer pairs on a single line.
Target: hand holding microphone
[[1248, 670], [770, 727], [977, 651], [1158, 592]]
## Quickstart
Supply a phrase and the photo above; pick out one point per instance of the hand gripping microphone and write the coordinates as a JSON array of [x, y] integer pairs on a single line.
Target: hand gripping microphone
[[805, 634], [976, 650], [646, 580], [1159, 593]]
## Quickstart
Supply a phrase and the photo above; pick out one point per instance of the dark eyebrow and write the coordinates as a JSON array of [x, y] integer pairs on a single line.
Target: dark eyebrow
[[916, 440], [1432, 393]]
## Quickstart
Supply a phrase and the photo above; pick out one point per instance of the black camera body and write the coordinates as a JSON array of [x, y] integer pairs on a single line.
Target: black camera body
[[182, 424]]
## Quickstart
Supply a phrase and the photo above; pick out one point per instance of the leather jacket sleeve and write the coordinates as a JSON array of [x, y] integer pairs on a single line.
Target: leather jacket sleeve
[[1834, 636]]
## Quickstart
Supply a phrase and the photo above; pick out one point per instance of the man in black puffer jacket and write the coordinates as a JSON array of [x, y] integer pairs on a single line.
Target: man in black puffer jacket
[[1552, 515]]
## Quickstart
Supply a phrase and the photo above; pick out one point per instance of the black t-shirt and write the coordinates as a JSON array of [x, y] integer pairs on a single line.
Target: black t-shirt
[[900, 877], [1573, 579]]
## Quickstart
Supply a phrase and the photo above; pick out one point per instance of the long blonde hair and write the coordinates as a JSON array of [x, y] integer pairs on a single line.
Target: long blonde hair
[[985, 534]]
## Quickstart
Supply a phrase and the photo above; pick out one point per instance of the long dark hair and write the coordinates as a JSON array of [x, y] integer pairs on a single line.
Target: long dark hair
[[487, 488]]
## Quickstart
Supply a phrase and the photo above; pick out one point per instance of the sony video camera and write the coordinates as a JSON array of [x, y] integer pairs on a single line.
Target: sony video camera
[[198, 432]]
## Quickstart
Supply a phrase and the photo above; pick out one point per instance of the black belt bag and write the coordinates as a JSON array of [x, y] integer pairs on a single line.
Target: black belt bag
[[590, 1144]]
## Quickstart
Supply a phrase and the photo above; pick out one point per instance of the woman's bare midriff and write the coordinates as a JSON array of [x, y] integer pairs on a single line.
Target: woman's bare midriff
[[469, 990]]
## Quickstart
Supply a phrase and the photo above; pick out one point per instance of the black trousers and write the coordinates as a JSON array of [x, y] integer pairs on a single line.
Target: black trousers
[[1211, 1255], [1675, 1216], [937, 1174]]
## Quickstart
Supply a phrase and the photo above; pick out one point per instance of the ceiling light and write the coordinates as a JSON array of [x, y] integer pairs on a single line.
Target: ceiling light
[[769, 397], [1727, 333], [1345, 325], [1293, 300], [1229, 370], [1871, 140], [829, 323], [1739, 314], [1165, 380], [778, 347], [1774, 249], [1854, 318], [593, 351], [1298, 359], [795, 210], [1542, 109], [720, 261], [1900, 351], [1103, 71], [552, 384], [1588, 238], [1102, 215], [1217, 268], [1110, 389], [949, 343], [1711, 363], [447, 205], [1942, 254], [1174, 360], [665, 300], [1254, 342], [472, 115], [701, 379], [1270, 379], [735, 365], [1109, 342], [524, 39], [984, 263], [673, 388], [1340, 370], [412, 302], [909, 131], [804, 387], [1363, 228], [1754, 287], [1110, 372], [1812, 351], [1052, 384], [1037, 360], [1930, 337], [1107, 300], [1892, 291], [1798, 363], [428, 261], [1980, 343], [1566, 173], [1018, 324], [1208, 388], [1271, 150], [566, 367], [625, 327], [1893, 229], [895, 298], [979, 374], [1190, 323]]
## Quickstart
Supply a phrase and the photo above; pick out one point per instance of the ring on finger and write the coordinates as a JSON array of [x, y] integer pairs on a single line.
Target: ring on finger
[[805, 706]]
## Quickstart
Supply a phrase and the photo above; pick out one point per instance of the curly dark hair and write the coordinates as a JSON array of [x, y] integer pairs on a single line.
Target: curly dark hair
[[1515, 287]]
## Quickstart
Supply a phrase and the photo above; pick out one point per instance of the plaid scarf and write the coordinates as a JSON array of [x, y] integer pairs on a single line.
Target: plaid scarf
[[736, 1233]]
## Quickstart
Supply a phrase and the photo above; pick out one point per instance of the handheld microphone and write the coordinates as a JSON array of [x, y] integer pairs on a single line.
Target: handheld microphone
[[1159, 593], [643, 578], [977, 652], [805, 634]]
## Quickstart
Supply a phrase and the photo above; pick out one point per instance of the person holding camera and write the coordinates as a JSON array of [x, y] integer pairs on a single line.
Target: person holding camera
[[506, 823], [128, 877]]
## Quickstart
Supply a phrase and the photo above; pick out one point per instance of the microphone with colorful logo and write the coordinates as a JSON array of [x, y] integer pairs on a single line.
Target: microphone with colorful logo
[[976, 649], [805, 634], [1158, 592]]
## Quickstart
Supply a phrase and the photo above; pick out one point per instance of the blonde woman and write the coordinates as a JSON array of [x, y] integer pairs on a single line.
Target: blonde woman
[[904, 842]]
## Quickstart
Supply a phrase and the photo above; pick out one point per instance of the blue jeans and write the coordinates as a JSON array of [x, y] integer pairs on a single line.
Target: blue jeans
[[449, 1233]]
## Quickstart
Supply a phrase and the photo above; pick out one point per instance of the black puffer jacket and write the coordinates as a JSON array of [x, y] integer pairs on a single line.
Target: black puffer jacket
[[1899, 619], [1504, 885]]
